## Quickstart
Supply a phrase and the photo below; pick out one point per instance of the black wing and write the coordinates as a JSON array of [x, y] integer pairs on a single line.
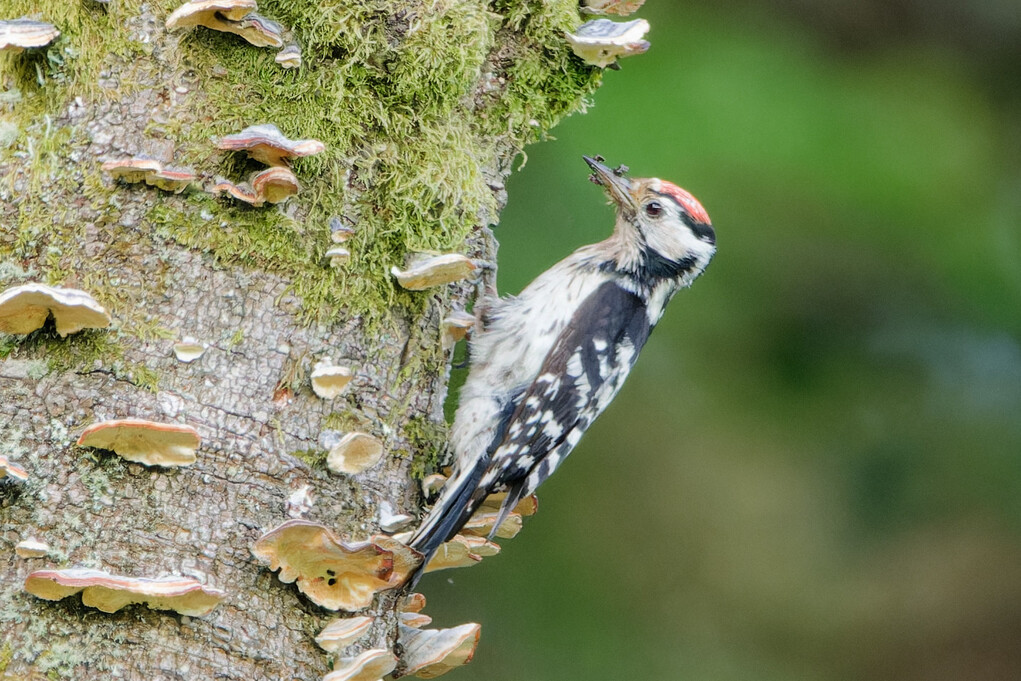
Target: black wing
[[579, 378]]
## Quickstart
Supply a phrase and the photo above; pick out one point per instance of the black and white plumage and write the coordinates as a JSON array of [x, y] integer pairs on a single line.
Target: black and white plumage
[[548, 361]]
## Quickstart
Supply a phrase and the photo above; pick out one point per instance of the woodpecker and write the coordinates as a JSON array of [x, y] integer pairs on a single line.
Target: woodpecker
[[547, 362]]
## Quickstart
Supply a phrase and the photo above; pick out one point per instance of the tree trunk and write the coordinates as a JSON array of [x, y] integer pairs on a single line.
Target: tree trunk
[[422, 106]]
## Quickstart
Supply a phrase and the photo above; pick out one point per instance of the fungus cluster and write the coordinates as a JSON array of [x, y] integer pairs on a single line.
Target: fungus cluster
[[150, 171], [110, 593], [229, 16], [266, 144], [17, 35], [601, 42], [23, 309]]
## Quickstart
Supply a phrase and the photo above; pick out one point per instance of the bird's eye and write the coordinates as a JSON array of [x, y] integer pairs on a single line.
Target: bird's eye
[[653, 209]]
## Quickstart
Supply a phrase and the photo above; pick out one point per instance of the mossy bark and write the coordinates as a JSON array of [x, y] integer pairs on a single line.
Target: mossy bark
[[422, 106]]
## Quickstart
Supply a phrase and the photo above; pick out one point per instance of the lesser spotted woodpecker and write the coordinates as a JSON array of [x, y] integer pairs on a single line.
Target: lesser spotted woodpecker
[[547, 362]]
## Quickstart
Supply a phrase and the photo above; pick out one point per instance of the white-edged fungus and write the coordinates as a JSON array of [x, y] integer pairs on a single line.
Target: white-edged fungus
[[339, 232], [24, 309], [601, 41], [266, 144], [110, 593], [415, 619], [355, 453], [145, 442], [481, 524], [526, 507], [241, 192], [369, 666], [188, 349], [426, 272], [228, 16], [338, 256], [9, 470], [342, 632], [289, 57], [276, 184], [31, 548], [150, 171], [328, 379], [332, 573], [455, 327], [619, 7], [429, 653], [20, 34], [461, 551], [413, 602], [392, 522], [405, 559]]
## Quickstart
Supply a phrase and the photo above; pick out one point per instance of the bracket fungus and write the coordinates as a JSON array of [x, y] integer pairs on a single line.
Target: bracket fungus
[[145, 442], [338, 256], [429, 653], [461, 551], [21, 34], [150, 171], [328, 379], [455, 327], [339, 232], [266, 144], [392, 522], [426, 272], [289, 57], [8, 469], [110, 593], [618, 7], [342, 632], [601, 41], [188, 349], [31, 548], [228, 16], [415, 619], [24, 309], [355, 453], [242, 192], [276, 184], [371, 665], [526, 507], [482, 525], [332, 573]]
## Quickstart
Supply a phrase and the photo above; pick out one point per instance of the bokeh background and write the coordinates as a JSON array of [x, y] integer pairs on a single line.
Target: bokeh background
[[814, 472]]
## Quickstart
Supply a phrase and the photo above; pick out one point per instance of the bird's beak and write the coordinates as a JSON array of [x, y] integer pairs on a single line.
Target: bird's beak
[[618, 186]]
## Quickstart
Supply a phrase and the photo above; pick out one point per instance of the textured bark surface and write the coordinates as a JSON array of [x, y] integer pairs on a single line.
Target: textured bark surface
[[115, 84]]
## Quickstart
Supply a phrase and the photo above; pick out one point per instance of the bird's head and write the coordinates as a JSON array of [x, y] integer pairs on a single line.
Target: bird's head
[[661, 230]]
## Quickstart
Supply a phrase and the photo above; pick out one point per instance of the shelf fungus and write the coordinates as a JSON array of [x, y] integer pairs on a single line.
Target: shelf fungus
[[328, 379], [110, 593], [17, 35], [266, 144], [405, 559], [152, 172], [462, 551], [242, 192], [371, 665], [289, 57], [339, 232], [145, 442], [427, 271], [618, 7], [600, 42], [276, 184], [338, 256], [481, 525], [188, 349], [354, 453], [415, 619], [228, 16], [342, 632], [455, 327], [526, 507], [429, 653], [24, 309], [9, 470], [334, 574], [31, 548]]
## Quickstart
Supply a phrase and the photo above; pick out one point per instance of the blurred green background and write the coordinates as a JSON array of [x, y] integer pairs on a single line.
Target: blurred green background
[[814, 471]]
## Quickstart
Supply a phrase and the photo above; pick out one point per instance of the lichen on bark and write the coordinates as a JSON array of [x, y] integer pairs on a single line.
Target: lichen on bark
[[422, 107]]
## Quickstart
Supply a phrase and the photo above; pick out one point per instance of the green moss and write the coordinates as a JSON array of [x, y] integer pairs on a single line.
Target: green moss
[[428, 441], [315, 458], [6, 655]]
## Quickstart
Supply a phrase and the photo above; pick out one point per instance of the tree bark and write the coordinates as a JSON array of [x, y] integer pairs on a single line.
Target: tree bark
[[422, 107]]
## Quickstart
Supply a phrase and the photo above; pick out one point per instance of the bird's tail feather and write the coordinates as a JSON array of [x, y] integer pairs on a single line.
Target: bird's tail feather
[[459, 500]]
